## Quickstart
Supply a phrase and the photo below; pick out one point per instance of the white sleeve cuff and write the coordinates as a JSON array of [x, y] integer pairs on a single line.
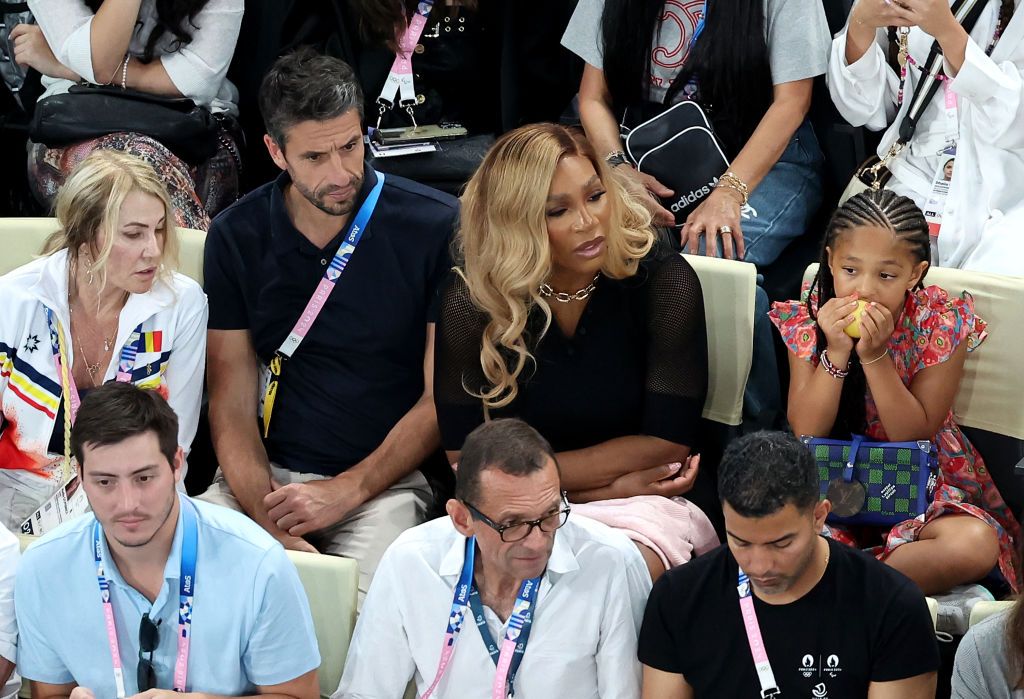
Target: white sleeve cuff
[[76, 53], [867, 67], [193, 78], [979, 79]]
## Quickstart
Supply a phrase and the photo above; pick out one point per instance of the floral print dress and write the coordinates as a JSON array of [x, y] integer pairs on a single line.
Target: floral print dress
[[927, 333]]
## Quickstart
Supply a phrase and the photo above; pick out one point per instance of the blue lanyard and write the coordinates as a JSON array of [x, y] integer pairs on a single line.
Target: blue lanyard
[[186, 594], [317, 301], [467, 597], [460, 603], [519, 625], [699, 28], [333, 271]]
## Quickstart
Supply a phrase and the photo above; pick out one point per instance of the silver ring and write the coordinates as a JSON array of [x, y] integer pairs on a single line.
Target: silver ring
[[725, 229]]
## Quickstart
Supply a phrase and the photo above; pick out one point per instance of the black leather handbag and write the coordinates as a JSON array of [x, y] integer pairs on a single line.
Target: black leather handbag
[[89, 111]]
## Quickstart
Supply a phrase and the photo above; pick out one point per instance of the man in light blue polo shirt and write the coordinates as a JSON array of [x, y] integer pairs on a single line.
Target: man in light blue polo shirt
[[202, 599]]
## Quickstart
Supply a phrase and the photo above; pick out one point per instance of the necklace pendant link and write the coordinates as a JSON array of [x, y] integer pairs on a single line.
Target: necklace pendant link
[[565, 297]]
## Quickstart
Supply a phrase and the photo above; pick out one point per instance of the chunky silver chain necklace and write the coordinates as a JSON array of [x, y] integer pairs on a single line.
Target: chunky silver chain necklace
[[563, 297]]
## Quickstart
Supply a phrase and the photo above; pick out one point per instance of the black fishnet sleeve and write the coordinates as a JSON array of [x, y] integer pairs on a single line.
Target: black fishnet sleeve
[[677, 353], [460, 328]]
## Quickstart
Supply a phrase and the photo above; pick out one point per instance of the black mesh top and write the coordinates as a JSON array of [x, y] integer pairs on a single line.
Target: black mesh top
[[637, 363]]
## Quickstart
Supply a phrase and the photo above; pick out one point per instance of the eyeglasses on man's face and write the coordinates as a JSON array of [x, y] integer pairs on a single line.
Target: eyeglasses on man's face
[[517, 531]]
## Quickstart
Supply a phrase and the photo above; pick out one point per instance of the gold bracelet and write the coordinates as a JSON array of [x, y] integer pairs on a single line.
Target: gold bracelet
[[729, 185], [730, 181], [732, 177], [876, 358], [743, 196]]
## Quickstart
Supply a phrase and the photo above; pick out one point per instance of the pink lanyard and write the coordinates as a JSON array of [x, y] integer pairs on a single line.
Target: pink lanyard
[[460, 606], [400, 79], [331, 275], [513, 646], [765, 676], [186, 595]]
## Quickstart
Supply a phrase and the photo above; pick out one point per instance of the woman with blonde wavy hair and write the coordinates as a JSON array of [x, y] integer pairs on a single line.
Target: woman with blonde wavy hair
[[103, 303], [564, 312]]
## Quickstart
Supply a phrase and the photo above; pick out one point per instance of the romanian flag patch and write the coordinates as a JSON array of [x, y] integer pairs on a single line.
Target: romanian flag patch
[[153, 341]]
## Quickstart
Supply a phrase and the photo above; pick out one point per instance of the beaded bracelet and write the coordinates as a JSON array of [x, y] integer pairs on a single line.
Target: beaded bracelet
[[831, 369], [124, 72]]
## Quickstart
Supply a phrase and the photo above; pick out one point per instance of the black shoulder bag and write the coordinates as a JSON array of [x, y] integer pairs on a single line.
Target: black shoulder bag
[[680, 149]]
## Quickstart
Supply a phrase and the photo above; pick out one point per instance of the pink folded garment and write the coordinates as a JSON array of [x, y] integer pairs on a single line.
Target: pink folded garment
[[674, 528]]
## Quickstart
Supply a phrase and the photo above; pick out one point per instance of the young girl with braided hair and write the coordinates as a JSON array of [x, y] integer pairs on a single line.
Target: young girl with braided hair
[[897, 382]]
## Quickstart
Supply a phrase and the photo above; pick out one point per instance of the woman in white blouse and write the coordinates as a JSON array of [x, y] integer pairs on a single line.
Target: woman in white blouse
[[978, 223], [182, 49]]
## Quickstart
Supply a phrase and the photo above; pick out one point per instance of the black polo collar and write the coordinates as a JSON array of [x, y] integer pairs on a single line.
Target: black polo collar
[[286, 238]]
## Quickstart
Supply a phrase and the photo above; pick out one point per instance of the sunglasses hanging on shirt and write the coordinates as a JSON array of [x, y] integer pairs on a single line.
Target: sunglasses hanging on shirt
[[149, 639]]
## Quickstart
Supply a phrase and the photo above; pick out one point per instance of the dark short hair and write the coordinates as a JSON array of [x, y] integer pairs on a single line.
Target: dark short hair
[[509, 445], [304, 85], [117, 411], [761, 473]]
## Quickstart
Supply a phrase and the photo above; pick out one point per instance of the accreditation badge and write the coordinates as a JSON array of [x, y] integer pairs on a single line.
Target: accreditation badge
[[935, 205], [64, 505]]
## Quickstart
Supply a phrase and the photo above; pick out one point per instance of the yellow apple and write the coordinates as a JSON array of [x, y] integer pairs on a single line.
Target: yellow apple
[[853, 329]]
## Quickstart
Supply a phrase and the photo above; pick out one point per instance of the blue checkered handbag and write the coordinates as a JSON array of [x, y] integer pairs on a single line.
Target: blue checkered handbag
[[881, 484]]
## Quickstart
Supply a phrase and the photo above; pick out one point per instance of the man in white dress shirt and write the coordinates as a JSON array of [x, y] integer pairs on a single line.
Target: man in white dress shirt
[[508, 594]]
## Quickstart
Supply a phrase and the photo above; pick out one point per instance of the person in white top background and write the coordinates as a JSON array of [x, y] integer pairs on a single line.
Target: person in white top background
[[509, 568], [979, 218], [167, 49]]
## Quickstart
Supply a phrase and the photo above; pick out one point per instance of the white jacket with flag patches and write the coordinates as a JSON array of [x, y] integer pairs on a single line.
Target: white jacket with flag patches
[[171, 359]]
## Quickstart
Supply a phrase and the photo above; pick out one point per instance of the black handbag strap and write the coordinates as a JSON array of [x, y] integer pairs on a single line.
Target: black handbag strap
[[967, 12]]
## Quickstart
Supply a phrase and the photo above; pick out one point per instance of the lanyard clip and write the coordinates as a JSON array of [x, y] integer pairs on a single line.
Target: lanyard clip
[[276, 362], [771, 693], [412, 115], [383, 106]]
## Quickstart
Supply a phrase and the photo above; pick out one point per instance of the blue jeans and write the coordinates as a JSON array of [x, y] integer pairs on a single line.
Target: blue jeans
[[785, 200], [781, 206]]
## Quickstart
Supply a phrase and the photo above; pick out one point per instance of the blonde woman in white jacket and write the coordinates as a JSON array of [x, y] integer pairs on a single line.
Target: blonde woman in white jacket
[[103, 304], [983, 214]]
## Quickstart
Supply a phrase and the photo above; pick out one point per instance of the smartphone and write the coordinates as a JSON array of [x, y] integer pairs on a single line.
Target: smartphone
[[420, 134]]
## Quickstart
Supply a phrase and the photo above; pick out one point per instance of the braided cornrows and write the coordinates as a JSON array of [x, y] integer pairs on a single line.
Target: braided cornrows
[[885, 209]]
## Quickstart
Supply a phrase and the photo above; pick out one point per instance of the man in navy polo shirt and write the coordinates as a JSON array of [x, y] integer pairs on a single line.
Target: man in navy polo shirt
[[321, 424]]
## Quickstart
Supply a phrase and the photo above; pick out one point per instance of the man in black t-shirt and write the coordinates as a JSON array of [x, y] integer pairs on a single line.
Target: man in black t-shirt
[[835, 623], [334, 464]]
